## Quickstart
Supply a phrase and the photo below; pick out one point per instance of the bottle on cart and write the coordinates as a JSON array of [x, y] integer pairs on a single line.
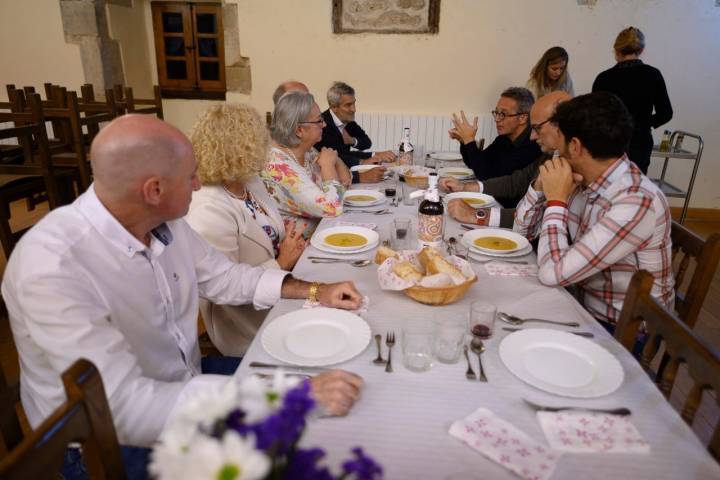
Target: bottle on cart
[[430, 216], [678, 141], [665, 142], [406, 149]]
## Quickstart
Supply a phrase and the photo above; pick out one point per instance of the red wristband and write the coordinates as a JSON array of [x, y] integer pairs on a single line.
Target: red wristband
[[556, 203]]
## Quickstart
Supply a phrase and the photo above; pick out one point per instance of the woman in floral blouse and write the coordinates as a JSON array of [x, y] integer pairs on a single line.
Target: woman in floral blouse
[[307, 185]]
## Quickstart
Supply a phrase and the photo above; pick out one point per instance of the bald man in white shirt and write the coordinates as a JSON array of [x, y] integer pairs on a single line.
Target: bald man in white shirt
[[116, 276]]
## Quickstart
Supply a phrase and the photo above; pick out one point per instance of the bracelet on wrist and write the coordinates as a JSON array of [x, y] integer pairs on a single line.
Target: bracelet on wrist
[[312, 293]]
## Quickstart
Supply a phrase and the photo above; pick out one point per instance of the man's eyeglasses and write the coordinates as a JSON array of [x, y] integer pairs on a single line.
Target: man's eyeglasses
[[316, 122], [502, 115], [536, 128]]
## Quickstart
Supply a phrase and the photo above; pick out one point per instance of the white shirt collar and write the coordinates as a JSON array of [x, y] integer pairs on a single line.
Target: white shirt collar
[[338, 123]]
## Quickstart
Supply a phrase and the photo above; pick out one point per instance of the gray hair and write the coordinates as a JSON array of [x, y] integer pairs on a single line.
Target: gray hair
[[292, 108], [337, 90], [522, 96]]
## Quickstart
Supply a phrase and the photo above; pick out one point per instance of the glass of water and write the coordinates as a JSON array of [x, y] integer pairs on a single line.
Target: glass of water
[[417, 344], [450, 331]]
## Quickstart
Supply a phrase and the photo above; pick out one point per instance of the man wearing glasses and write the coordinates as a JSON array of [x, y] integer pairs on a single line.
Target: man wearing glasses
[[511, 150], [547, 137]]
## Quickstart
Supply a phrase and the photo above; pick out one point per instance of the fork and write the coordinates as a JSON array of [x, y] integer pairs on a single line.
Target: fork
[[469, 373], [389, 341], [611, 411]]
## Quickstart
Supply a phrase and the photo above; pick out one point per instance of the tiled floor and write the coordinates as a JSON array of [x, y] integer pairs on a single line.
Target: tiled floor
[[708, 325]]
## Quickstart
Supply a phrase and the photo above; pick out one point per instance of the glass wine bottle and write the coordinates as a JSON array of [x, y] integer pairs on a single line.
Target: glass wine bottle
[[406, 149], [430, 216]]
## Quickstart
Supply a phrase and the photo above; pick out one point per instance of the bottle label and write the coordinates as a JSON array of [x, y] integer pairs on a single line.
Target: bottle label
[[430, 229]]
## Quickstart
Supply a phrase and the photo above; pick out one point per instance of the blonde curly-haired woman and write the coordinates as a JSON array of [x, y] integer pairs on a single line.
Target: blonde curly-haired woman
[[235, 214]]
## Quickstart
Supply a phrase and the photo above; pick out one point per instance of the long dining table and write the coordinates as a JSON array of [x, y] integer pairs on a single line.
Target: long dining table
[[402, 419]]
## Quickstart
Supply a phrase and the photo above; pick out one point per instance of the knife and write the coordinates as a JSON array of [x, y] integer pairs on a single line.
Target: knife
[[289, 367], [579, 334]]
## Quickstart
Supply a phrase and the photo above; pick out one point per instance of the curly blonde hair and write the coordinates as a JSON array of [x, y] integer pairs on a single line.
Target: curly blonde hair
[[230, 143]]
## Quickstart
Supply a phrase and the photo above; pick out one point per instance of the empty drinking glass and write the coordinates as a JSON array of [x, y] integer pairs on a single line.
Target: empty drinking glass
[[450, 332], [417, 344], [482, 319], [406, 191]]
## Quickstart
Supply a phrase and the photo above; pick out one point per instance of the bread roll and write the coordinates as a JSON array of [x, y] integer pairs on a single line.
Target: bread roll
[[407, 271], [383, 253], [439, 265], [436, 281], [426, 255]]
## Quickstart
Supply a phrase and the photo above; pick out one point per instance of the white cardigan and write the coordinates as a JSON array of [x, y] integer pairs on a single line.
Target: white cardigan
[[226, 224]]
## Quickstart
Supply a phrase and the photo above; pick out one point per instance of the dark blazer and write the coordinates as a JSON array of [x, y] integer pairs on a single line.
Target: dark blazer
[[332, 138]]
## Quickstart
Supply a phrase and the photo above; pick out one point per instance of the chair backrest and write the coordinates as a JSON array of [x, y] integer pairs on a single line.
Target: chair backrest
[[132, 104], [687, 245], [682, 346], [85, 417]]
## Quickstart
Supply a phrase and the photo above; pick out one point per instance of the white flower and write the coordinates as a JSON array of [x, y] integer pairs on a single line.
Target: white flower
[[233, 458], [258, 400], [210, 404]]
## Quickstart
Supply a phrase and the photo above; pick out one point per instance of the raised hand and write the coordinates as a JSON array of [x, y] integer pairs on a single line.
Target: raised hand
[[462, 129], [292, 246]]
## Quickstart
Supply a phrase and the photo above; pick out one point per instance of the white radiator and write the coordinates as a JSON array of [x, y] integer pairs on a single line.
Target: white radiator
[[428, 133]]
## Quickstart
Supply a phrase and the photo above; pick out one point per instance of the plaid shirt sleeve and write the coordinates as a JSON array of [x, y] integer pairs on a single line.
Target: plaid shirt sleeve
[[624, 228], [529, 213]]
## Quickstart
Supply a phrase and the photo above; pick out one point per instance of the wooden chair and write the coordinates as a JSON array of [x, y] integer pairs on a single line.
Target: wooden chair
[[682, 346], [10, 430], [131, 103], [687, 245], [85, 418], [37, 176]]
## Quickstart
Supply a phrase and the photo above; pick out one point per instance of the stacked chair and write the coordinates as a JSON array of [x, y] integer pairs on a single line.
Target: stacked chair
[[39, 166]]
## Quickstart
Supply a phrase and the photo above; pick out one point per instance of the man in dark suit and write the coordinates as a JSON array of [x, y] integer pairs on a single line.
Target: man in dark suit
[[342, 133]]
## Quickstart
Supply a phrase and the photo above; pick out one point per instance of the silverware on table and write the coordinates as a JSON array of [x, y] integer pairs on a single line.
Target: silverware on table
[[390, 342], [289, 367], [379, 360], [610, 411], [579, 334], [513, 320], [478, 347], [376, 212], [469, 373], [496, 260], [354, 263]]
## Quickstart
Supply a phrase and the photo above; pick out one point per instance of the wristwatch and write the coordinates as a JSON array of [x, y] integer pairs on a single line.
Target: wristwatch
[[481, 216]]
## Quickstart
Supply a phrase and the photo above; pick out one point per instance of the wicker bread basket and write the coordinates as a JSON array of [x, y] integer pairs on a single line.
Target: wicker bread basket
[[439, 295]]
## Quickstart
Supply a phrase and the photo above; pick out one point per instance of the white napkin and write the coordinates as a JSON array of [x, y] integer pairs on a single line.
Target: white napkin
[[363, 306], [590, 432], [503, 443], [497, 267]]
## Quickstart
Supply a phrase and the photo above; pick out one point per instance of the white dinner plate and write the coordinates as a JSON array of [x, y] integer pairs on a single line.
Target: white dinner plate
[[446, 156], [561, 363], [315, 337], [478, 255], [461, 173], [488, 200], [378, 198], [371, 239], [470, 237]]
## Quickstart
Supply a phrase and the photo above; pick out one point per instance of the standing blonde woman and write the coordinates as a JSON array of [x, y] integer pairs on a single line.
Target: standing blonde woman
[[642, 90], [234, 213], [550, 74], [307, 185]]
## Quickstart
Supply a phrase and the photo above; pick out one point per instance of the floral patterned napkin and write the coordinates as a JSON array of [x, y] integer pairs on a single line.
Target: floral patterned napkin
[[589, 432], [363, 307], [510, 269], [503, 443]]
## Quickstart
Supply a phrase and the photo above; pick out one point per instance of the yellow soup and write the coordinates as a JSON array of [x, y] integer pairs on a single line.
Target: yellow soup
[[359, 198], [474, 201], [495, 243], [345, 240]]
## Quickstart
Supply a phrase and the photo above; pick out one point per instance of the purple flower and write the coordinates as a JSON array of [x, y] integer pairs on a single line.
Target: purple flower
[[303, 465], [363, 467]]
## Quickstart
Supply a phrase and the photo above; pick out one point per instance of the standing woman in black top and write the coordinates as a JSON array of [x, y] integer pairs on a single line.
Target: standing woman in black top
[[642, 89]]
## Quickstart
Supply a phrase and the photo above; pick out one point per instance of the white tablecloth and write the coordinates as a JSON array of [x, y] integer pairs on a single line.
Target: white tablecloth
[[403, 417]]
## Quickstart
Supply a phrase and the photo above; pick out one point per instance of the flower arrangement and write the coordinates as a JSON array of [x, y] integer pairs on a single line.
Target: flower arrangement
[[246, 432]]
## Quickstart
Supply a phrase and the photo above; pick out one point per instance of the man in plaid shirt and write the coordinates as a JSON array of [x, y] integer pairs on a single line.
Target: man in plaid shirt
[[599, 219]]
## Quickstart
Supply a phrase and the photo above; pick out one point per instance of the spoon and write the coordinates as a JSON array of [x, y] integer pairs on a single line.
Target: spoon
[[513, 320], [354, 263], [478, 348], [379, 360]]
